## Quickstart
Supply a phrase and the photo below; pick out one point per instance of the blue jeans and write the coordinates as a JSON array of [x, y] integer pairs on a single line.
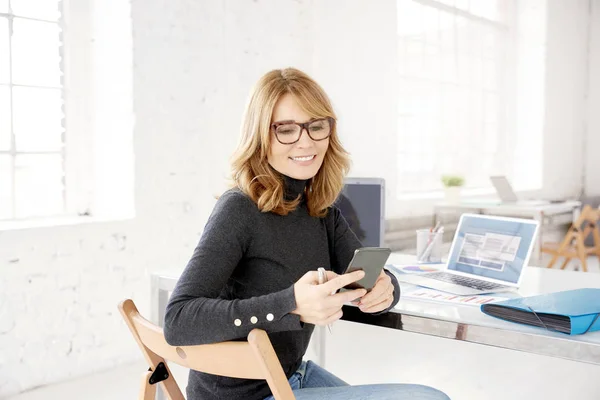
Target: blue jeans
[[313, 382]]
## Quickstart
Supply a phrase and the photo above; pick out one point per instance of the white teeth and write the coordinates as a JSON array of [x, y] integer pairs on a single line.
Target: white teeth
[[308, 158]]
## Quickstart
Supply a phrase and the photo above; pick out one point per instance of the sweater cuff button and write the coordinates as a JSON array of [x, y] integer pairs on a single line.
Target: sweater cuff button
[[237, 322], [270, 317]]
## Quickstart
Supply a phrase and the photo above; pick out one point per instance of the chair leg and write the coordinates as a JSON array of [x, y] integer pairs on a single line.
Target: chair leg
[[584, 263], [148, 391], [581, 252], [565, 263], [552, 261], [170, 388], [562, 247], [596, 233]]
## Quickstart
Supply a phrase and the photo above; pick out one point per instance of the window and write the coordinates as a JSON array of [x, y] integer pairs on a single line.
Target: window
[[66, 144], [31, 116], [456, 95]]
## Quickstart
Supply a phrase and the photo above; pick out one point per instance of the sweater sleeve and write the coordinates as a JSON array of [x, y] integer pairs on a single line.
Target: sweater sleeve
[[345, 243], [195, 314]]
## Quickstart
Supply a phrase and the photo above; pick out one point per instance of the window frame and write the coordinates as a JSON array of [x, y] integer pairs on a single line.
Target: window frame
[[76, 151], [504, 88]]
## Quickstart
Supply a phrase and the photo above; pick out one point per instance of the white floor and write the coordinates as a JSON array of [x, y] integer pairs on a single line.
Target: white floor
[[364, 354]]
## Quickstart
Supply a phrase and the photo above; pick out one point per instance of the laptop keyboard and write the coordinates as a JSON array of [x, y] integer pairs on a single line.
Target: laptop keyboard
[[464, 281]]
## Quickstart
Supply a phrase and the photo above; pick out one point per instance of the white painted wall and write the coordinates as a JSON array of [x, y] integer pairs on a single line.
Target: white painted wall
[[365, 86], [592, 150], [194, 64], [355, 59], [565, 97]]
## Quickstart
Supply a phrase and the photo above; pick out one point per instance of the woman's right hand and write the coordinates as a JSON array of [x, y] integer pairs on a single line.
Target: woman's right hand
[[315, 304]]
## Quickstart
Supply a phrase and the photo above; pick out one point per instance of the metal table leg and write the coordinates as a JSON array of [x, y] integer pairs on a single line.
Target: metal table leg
[[158, 303], [537, 249], [317, 345]]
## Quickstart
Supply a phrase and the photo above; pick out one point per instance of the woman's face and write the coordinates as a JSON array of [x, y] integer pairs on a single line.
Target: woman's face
[[300, 160]]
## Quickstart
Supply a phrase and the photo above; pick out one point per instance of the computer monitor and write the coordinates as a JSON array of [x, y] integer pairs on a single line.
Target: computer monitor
[[362, 205]]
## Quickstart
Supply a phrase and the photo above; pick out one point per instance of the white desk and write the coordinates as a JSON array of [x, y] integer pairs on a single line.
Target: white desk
[[458, 322], [541, 213], [469, 324]]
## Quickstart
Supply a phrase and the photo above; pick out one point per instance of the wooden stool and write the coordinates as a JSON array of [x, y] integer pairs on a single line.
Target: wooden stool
[[573, 245]]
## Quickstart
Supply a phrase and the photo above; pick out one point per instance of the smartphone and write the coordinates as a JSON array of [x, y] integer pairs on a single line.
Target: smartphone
[[371, 260]]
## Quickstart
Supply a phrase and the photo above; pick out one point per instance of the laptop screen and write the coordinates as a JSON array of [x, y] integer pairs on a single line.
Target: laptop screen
[[492, 247], [361, 205], [504, 189]]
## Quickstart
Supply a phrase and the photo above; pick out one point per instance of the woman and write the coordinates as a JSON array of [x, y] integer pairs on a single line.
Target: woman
[[255, 265]]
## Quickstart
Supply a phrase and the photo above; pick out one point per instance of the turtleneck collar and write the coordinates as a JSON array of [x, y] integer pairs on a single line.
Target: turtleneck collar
[[293, 187]]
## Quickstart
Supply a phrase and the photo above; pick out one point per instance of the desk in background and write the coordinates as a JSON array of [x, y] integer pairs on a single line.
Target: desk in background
[[457, 322], [566, 211]]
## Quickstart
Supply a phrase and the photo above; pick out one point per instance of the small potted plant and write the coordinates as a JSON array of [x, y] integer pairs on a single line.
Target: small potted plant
[[452, 185]]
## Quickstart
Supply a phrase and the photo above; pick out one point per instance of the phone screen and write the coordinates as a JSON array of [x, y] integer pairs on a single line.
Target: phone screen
[[371, 260]]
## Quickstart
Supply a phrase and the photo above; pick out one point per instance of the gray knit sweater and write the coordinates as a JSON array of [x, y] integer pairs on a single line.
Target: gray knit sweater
[[241, 276]]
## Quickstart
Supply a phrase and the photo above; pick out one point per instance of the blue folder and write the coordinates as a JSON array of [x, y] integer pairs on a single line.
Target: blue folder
[[573, 311]]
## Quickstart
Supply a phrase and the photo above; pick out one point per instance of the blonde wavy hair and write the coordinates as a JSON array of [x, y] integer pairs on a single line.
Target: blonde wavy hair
[[251, 171]]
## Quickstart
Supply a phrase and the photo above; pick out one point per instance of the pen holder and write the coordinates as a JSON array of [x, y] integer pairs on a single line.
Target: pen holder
[[429, 246]]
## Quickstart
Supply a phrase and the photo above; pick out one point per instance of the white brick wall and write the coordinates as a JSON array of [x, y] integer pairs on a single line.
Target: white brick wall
[[60, 287], [194, 64]]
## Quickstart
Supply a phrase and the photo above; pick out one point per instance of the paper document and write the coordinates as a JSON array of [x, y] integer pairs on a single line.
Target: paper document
[[413, 268], [419, 293]]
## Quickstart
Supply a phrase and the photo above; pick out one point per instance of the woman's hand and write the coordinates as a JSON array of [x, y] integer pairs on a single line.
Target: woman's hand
[[316, 304], [380, 297]]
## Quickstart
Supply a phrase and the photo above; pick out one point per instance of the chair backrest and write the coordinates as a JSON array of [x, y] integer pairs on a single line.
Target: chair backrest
[[587, 223], [588, 215], [574, 243], [254, 359]]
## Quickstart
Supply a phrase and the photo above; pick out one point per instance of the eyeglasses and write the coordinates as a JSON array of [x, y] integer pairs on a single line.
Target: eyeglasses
[[289, 132]]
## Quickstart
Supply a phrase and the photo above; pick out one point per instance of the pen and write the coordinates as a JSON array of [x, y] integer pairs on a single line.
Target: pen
[[432, 231], [322, 280], [427, 252]]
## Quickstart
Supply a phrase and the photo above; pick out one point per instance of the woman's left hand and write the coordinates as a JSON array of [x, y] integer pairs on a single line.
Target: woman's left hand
[[380, 297]]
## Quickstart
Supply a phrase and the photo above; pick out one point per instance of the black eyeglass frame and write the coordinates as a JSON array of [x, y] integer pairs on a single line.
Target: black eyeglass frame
[[303, 126]]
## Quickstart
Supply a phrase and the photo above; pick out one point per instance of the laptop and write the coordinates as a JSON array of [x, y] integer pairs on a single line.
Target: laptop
[[508, 195], [488, 255]]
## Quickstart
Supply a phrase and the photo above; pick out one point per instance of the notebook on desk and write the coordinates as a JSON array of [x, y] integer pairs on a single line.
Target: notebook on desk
[[573, 311], [488, 255]]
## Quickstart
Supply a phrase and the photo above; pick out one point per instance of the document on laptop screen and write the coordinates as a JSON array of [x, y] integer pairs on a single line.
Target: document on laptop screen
[[491, 250]]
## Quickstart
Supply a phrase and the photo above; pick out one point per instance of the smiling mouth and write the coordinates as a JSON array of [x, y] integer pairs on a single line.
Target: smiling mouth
[[303, 158]]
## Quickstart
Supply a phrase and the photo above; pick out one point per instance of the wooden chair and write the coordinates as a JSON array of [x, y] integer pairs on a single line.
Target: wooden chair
[[573, 245], [254, 359]]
